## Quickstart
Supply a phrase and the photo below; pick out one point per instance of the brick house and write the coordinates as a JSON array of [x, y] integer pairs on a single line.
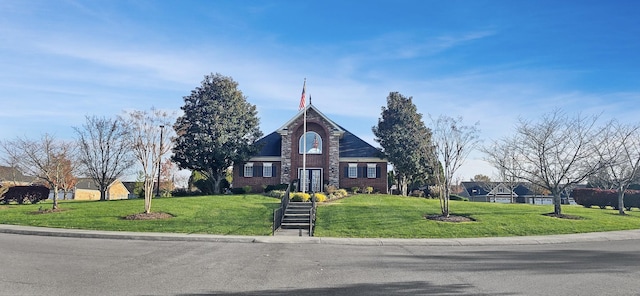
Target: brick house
[[334, 157]]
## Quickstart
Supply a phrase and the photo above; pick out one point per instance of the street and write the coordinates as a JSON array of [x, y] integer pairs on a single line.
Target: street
[[42, 265]]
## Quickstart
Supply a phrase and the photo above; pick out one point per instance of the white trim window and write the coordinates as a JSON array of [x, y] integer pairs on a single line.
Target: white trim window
[[248, 170], [314, 143], [353, 170], [267, 170], [371, 170]]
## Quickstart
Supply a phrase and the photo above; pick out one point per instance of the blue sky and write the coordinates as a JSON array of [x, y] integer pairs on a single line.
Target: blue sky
[[490, 62]]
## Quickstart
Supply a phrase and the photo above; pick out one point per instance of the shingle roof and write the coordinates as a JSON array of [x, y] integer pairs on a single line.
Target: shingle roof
[[271, 145], [350, 144], [8, 174]]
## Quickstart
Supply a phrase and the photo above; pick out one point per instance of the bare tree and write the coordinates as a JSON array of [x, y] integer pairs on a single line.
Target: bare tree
[[503, 157], [619, 151], [150, 140], [104, 150], [554, 153], [44, 158], [453, 142]]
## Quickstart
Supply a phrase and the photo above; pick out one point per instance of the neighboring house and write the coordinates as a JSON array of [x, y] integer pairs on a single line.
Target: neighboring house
[[87, 189], [13, 176], [334, 157], [500, 192]]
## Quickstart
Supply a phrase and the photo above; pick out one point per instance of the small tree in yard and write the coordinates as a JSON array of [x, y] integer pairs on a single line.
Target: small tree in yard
[[146, 131], [503, 157], [453, 142], [45, 158], [219, 128], [619, 151], [555, 153], [104, 150]]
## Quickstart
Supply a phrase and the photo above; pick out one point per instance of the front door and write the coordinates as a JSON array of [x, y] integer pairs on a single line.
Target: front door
[[313, 180]]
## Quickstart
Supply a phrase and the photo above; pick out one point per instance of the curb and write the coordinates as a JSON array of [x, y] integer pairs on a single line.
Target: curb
[[491, 241]]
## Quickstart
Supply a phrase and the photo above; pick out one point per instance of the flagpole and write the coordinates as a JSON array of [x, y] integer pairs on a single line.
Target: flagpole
[[304, 141]]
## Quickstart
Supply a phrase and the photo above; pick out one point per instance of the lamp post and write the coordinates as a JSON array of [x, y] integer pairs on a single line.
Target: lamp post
[[159, 161]]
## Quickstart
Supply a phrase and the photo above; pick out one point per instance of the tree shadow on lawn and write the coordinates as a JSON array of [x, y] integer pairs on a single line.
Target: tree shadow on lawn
[[457, 218]]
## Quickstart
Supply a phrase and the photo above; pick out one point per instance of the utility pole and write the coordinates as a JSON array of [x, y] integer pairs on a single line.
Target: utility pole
[[159, 161]]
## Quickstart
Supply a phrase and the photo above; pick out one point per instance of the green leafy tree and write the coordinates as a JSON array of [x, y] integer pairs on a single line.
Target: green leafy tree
[[405, 140], [218, 129]]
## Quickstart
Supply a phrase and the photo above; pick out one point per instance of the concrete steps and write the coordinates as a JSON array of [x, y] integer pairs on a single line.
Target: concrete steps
[[297, 216]]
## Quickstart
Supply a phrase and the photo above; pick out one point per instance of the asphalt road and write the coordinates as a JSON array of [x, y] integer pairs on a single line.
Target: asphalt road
[[52, 265]]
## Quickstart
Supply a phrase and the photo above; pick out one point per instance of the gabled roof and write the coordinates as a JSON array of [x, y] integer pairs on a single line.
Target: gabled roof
[[10, 174], [270, 144], [486, 188], [90, 184], [334, 126], [350, 145]]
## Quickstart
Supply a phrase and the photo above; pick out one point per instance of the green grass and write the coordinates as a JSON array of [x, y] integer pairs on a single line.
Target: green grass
[[357, 216], [403, 217], [223, 214]]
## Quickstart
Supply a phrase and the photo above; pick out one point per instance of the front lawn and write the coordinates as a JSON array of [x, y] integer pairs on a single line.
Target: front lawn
[[356, 216], [403, 217], [222, 214]]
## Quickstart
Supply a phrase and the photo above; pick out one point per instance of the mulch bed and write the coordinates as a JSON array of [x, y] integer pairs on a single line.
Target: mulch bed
[[48, 211], [563, 216], [149, 216], [451, 218]]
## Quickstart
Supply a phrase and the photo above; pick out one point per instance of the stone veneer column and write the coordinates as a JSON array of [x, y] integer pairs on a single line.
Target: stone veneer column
[[285, 152], [334, 159]]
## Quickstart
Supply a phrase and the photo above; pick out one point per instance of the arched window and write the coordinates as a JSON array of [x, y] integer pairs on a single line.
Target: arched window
[[314, 143]]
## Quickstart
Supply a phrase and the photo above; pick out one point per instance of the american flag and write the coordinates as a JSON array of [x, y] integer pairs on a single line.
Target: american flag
[[302, 100]]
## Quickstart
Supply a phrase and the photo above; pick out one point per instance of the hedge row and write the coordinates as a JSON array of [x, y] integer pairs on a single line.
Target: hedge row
[[588, 197], [22, 194]]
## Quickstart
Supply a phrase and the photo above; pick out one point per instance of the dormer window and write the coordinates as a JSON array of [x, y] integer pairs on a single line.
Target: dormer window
[[313, 143]]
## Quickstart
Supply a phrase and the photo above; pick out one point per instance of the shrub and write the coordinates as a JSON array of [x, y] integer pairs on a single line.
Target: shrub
[[355, 190], [270, 188], [238, 190], [276, 193], [179, 192], [368, 190], [20, 194], [457, 197], [330, 189], [342, 193], [299, 196], [417, 193], [320, 197], [247, 189], [588, 197]]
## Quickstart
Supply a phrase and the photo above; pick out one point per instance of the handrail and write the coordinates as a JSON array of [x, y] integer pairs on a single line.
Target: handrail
[[277, 219], [278, 214], [312, 214]]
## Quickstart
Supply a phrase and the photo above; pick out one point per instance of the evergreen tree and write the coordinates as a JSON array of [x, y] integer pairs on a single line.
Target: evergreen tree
[[218, 129], [405, 140]]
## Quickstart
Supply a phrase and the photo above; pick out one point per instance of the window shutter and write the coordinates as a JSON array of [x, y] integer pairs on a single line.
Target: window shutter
[[360, 174], [257, 171], [378, 172], [346, 172], [273, 170]]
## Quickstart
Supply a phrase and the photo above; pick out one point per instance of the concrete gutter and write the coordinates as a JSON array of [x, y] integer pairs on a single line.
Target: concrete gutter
[[155, 236]]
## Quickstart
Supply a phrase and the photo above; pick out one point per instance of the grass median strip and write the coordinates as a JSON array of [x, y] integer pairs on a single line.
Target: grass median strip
[[357, 216]]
